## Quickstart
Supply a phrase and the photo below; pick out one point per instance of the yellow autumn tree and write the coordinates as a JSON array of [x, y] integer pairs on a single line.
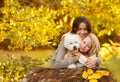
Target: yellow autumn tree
[[25, 27]]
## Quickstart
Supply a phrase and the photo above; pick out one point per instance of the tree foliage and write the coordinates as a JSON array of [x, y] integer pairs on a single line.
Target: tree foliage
[[26, 25]]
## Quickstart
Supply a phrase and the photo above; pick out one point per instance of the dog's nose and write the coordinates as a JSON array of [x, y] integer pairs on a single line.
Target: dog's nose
[[75, 47]]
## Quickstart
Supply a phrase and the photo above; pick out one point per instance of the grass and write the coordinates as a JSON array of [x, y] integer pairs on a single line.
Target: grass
[[114, 66], [35, 54]]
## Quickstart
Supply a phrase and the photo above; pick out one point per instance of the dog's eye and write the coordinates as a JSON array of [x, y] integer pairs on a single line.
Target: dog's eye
[[75, 41]]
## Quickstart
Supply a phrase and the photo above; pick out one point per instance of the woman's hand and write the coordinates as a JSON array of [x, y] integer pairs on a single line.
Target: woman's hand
[[77, 54], [91, 62], [69, 54]]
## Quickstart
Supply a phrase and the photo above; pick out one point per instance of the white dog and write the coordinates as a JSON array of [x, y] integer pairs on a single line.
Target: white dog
[[72, 43]]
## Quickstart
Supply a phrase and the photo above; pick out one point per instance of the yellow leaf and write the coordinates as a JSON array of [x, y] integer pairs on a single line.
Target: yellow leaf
[[92, 76], [103, 72], [90, 71], [65, 18], [85, 75], [93, 80], [54, 43], [106, 73], [71, 22]]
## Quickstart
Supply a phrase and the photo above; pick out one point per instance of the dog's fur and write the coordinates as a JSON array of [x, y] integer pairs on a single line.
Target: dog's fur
[[72, 43]]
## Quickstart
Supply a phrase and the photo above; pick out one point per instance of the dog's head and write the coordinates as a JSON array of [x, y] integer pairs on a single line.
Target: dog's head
[[72, 42]]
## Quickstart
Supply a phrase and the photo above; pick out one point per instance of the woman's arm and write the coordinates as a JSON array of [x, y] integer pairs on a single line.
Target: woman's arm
[[58, 60]]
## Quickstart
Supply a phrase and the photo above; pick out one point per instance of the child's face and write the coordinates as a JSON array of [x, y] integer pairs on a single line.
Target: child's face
[[85, 45]]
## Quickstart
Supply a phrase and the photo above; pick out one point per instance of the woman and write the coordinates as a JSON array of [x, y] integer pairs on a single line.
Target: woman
[[82, 27]]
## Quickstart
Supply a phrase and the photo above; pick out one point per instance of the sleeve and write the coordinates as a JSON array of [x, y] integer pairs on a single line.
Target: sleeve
[[99, 60], [58, 60], [82, 59]]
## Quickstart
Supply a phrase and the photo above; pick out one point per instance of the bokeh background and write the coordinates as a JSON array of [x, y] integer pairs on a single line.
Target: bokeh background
[[30, 31]]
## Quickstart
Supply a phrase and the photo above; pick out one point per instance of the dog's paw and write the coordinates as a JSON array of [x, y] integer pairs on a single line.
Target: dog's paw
[[72, 66]]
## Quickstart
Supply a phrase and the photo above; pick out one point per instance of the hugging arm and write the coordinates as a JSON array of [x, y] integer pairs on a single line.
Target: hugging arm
[[58, 60], [99, 60], [93, 62]]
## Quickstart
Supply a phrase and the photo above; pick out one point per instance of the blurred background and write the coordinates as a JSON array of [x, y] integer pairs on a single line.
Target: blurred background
[[30, 31]]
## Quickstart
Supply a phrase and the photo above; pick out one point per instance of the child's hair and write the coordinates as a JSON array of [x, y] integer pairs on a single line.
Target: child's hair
[[95, 48]]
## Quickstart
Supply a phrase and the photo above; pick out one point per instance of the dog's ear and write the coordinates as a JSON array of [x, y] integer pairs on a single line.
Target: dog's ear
[[64, 35]]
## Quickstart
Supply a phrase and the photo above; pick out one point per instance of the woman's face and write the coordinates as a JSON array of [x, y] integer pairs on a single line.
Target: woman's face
[[85, 45], [82, 30]]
